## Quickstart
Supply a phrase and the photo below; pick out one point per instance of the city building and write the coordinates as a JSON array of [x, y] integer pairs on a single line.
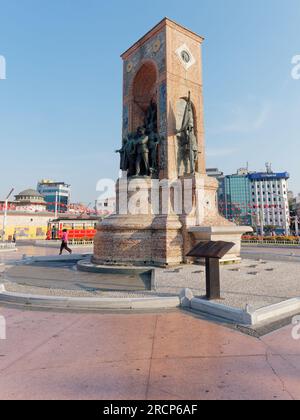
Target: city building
[[269, 201], [11, 205], [294, 203], [30, 201], [81, 208], [234, 198], [106, 206], [258, 199], [24, 225], [56, 194]]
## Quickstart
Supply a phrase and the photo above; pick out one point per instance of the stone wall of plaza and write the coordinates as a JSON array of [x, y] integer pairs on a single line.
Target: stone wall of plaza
[[27, 226]]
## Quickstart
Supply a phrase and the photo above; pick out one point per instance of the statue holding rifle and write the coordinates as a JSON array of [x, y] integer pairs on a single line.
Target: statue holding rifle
[[187, 139]]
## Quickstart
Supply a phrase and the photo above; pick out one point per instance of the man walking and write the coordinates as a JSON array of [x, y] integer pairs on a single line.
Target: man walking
[[64, 243], [54, 233]]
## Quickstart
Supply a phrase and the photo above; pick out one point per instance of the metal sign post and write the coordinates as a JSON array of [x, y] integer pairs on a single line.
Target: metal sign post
[[213, 289], [213, 252]]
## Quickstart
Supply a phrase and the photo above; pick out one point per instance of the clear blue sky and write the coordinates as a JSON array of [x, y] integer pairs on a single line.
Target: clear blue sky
[[60, 107]]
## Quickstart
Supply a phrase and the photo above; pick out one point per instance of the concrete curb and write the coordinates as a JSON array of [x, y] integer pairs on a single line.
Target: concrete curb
[[2, 250], [247, 317], [56, 258], [90, 303], [277, 311], [87, 266], [221, 311]]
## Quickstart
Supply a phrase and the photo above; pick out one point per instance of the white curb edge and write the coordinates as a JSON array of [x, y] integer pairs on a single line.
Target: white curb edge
[[8, 250], [247, 317], [90, 303], [55, 258]]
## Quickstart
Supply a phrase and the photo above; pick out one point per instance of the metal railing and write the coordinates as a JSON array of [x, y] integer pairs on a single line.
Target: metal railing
[[72, 242], [81, 243], [274, 243], [7, 245]]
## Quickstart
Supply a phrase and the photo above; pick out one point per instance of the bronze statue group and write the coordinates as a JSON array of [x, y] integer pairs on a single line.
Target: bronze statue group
[[139, 153]]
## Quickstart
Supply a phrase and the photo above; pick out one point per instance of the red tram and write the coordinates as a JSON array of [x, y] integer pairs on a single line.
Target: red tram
[[79, 229]]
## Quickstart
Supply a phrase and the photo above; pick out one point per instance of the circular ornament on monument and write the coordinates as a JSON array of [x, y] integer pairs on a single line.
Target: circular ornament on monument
[[156, 46], [129, 67], [185, 55]]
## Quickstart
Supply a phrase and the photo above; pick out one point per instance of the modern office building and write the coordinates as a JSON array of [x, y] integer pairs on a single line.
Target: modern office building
[[294, 203], [258, 199], [56, 194], [235, 203], [106, 206], [269, 201]]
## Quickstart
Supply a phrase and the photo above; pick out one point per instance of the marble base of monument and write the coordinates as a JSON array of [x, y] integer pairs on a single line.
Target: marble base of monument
[[222, 233], [149, 239]]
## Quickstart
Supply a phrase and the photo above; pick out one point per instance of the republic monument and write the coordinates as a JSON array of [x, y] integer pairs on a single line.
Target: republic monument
[[163, 149]]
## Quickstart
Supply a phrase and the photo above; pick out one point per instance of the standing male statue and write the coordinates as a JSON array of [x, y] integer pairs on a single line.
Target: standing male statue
[[142, 151], [123, 156], [151, 114], [128, 155], [189, 144], [154, 141]]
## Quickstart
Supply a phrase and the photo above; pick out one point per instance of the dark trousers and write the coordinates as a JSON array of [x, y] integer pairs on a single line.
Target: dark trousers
[[64, 245]]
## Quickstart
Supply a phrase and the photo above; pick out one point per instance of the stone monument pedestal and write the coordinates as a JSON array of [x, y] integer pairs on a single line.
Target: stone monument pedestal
[[222, 233], [139, 234], [148, 232]]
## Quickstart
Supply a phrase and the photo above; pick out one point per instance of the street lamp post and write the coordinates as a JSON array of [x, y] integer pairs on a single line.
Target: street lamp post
[[5, 214], [262, 227], [56, 206], [296, 225], [296, 219]]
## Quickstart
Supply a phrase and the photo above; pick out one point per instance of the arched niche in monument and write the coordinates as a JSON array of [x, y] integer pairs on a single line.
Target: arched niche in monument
[[144, 90]]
